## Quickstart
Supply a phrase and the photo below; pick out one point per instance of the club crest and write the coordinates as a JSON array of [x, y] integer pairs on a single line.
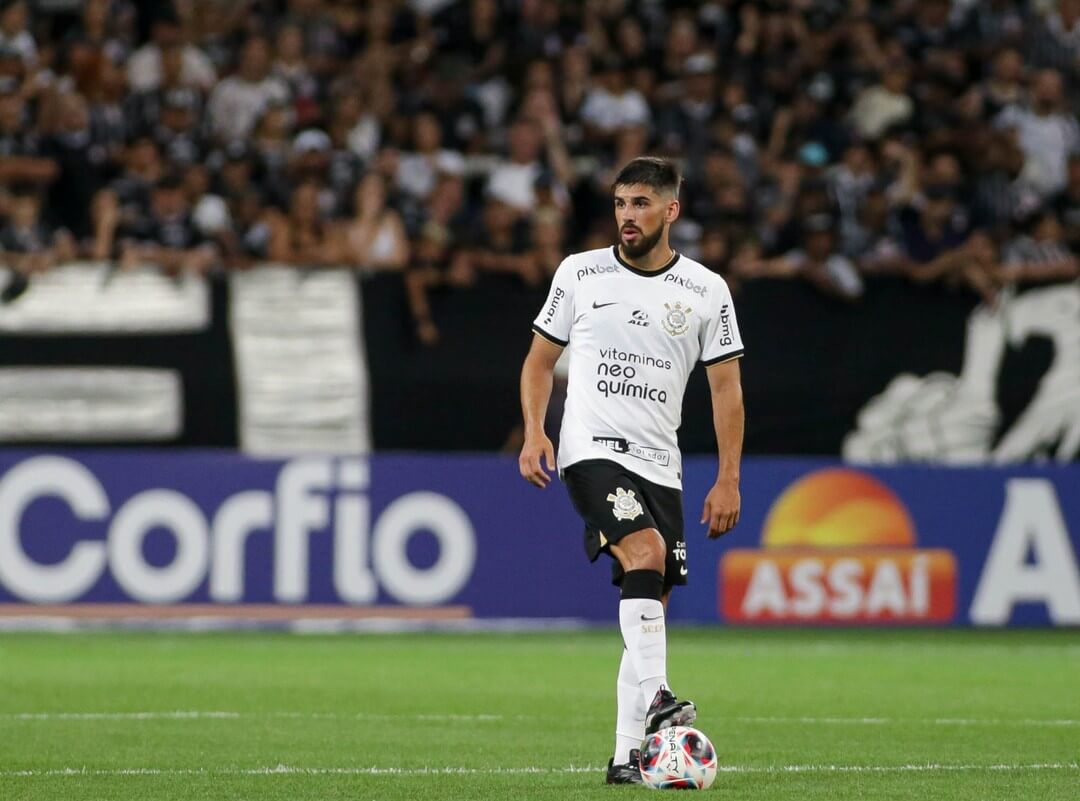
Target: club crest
[[624, 505], [677, 319]]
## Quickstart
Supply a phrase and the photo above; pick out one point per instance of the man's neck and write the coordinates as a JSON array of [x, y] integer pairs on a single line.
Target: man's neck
[[654, 260]]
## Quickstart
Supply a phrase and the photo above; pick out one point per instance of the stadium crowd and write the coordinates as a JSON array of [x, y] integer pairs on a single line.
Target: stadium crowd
[[821, 140]]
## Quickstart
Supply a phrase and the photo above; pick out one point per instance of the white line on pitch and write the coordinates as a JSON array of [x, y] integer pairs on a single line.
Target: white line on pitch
[[220, 715], [292, 770], [916, 721], [927, 767], [486, 718]]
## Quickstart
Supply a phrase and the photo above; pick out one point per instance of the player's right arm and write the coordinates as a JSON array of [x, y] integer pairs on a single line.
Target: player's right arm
[[537, 376], [551, 334]]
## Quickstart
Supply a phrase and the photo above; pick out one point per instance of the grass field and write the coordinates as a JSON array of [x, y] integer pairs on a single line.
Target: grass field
[[795, 715]]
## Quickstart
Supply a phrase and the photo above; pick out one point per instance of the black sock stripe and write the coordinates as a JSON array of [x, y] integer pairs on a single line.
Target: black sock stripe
[[648, 584]]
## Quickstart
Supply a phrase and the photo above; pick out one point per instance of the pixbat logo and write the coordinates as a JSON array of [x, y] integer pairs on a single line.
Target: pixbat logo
[[839, 547], [686, 283]]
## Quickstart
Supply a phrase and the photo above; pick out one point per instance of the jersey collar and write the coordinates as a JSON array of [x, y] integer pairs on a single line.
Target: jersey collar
[[645, 273]]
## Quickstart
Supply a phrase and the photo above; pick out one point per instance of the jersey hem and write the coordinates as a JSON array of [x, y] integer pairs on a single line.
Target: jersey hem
[[633, 469], [562, 343], [727, 357]]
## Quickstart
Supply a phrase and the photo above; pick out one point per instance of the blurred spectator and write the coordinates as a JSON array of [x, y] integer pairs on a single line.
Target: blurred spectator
[[685, 125], [166, 234], [419, 168], [516, 179], [1039, 253], [239, 229], [292, 70], [460, 116], [547, 235], [849, 182], [938, 240], [15, 36], [432, 249], [885, 105], [611, 103], [998, 195], [374, 239], [571, 93], [27, 244], [1004, 87], [1046, 133], [145, 106], [1054, 39], [109, 122], [178, 132], [499, 245], [818, 260], [303, 235], [309, 162], [271, 146], [83, 166], [144, 68], [1066, 204], [993, 24], [237, 101], [806, 122], [367, 122], [126, 199], [235, 171], [22, 159]]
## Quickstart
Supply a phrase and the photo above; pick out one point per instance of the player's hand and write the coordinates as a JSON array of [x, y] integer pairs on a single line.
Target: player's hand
[[537, 447], [721, 510]]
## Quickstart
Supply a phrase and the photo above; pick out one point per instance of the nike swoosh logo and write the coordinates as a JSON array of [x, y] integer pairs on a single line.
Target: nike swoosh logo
[[596, 305], [683, 571], [651, 618]]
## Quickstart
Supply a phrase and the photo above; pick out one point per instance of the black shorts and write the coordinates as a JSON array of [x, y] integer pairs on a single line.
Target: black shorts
[[615, 502]]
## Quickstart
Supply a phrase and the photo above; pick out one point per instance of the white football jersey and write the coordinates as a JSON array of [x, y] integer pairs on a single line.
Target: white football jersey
[[633, 337]]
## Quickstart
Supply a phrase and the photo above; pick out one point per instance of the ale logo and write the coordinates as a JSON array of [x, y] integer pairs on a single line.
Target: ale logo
[[838, 547]]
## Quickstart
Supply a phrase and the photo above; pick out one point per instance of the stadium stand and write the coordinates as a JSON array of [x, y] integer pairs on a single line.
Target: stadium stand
[[447, 153]]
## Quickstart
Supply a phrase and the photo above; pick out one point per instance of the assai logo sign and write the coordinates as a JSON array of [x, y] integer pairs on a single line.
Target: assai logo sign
[[838, 547]]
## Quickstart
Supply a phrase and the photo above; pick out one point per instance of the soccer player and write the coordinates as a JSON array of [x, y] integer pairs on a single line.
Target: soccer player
[[636, 318]]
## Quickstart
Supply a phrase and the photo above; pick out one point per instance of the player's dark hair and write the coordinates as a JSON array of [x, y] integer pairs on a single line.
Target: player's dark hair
[[659, 175]]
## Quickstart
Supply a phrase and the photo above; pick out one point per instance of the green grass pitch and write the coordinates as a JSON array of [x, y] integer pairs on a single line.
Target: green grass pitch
[[798, 715]]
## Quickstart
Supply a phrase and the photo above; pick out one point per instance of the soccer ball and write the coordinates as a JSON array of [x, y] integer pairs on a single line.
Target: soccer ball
[[678, 758]]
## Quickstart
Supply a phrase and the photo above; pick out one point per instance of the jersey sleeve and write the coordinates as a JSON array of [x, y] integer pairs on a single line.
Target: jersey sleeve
[[555, 318], [720, 337]]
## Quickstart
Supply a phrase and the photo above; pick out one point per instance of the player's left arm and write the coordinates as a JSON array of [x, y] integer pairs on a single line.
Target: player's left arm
[[723, 501]]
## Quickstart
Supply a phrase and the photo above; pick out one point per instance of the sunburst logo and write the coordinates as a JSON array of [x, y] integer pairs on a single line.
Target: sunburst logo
[[839, 546]]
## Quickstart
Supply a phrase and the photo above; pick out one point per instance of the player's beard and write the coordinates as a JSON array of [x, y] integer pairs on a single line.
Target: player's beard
[[644, 244]]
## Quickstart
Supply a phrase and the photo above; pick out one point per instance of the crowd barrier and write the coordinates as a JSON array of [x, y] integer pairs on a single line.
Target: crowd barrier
[[285, 360], [167, 533]]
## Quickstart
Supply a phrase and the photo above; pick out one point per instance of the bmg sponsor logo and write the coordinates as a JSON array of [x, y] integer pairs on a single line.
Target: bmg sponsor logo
[[725, 325], [839, 547], [556, 299]]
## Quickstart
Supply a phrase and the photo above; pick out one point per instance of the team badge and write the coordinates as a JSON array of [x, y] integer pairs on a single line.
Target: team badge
[[677, 319], [625, 505]]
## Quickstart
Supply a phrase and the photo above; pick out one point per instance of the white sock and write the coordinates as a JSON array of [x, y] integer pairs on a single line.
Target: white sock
[[644, 634], [630, 717]]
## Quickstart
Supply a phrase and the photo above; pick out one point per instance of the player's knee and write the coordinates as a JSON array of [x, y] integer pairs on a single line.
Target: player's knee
[[646, 551]]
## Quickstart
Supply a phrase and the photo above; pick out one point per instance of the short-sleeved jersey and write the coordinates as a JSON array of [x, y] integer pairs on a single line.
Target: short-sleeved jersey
[[633, 338]]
